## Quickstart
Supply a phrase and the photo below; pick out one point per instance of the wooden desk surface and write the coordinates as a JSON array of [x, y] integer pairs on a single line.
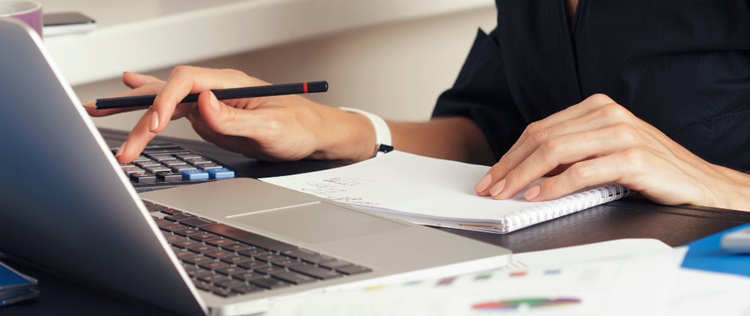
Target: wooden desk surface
[[629, 218]]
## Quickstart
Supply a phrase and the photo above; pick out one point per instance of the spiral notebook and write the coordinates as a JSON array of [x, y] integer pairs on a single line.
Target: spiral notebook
[[437, 192]]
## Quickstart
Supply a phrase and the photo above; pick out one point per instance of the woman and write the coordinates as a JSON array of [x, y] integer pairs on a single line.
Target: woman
[[653, 95]]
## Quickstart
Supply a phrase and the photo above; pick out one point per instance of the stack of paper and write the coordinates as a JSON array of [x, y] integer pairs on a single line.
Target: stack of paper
[[622, 277], [619, 277]]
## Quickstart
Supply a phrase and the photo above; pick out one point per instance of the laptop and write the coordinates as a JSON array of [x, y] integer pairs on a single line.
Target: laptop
[[66, 205]]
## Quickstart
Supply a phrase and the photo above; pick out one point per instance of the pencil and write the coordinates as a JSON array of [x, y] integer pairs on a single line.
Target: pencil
[[221, 94]]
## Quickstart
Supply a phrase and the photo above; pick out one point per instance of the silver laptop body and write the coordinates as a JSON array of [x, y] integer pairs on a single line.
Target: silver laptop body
[[66, 205]]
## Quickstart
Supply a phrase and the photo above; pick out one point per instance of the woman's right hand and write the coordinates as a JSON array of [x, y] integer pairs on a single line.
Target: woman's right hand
[[274, 128]]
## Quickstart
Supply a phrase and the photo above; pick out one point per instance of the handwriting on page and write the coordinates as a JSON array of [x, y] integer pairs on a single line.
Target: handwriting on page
[[339, 189]]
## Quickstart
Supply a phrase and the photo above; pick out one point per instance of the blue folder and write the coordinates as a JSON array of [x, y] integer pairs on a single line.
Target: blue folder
[[706, 254]]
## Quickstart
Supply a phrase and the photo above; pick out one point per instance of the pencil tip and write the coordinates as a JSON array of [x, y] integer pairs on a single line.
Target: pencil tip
[[90, 104]]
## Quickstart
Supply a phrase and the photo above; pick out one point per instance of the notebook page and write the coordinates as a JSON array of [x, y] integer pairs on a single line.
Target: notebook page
[[407, 183]]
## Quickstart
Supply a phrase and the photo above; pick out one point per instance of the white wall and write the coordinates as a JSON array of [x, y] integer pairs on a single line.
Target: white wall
[[395, 70]]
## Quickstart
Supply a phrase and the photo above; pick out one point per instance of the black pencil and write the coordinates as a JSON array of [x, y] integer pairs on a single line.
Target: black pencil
[[221, 94]]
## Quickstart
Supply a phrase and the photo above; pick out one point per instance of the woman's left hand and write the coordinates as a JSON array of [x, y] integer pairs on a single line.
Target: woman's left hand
[[599, 141]]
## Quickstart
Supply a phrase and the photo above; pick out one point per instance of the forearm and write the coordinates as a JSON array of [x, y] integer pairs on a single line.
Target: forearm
[[350, 136], [455, 138]]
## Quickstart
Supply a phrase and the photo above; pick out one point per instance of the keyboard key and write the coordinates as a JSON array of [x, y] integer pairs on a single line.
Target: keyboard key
[[172, 227], [252, 252], [184, 254], [224, 292], [248, 237], [196, 259], [236, 246], [316, 272], [269, 283], [288, 262], [186, 243], [209, 166], [168, 176], [147, 163], [178, 217], [271, 257], [202, 285], [220, 242], [236, 259], [353, 269], [318, 258], [230, 283], [174, 163], [220, 173], [247, 276], [187, 231], [252, 265], [131, 169], [142, 177], [186, 156], [213, 265], [245, 288], [200, 274], [163, 158], [212, 277], [156, 169], [334, 264], [300, 253], [198, 161], [194, 174], [203, 236], [173, 238], [201, 248], [231, 270], [268, 269], [141, 158], [292, 277], [218, 254], [180, 168]]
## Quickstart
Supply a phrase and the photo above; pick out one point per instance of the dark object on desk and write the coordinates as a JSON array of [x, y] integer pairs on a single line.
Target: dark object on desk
[[59, 23], [168, 165], [222, 94], [707, 254], [15, 286]]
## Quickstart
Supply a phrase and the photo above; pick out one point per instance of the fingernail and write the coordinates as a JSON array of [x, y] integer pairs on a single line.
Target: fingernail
[[121, 149], [497, 188], [532, 192], [154, 123], [213, 104], [483, 184]]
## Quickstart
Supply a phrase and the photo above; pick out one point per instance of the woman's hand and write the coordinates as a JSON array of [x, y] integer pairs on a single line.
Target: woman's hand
[[598, 141], [269, 128]]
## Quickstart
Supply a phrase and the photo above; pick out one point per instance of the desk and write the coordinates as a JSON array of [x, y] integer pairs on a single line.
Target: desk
[[629, 218], [185, 31]]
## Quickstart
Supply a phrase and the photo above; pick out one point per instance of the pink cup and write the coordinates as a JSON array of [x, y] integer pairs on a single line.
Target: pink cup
[[29, 12]]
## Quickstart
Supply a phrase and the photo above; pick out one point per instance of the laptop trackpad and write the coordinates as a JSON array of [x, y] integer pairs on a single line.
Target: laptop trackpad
[[315, 222]]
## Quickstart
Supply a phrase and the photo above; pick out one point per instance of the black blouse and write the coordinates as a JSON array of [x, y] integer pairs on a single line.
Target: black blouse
[[681, 65]]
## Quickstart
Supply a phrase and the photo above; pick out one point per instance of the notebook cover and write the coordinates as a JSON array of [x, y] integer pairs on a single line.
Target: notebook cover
[[706, 254]]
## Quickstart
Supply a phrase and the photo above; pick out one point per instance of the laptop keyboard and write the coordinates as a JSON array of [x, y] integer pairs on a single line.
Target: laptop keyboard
[[166, 165], [228, 261]]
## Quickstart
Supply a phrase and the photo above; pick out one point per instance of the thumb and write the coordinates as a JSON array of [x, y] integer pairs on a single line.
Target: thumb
[[225, 119]]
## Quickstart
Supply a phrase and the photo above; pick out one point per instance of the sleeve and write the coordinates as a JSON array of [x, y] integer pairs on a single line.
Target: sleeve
[[481, 93]]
